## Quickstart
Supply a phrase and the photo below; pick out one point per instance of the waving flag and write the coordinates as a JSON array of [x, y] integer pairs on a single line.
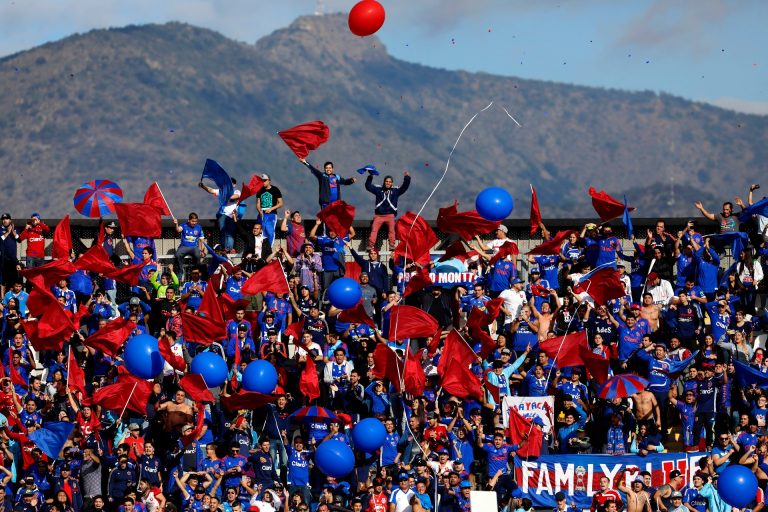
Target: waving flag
[[602, 284], [410, 322], [455, 250], [133, 394], [453, 368], [564, 350], [597, 365], [111, 337], [296, 330], [737, 239], [386, 365], [154, 197], [75, 374], [338, 216], [305, 137], [195, 387], [51, 273], [607, 207], [535, 212], [521, 428], [356, 315], [626, 218], [251, 188], [414, 373], [553, 245], [418, 282], [177, 362], [216, 173], [62, 240], [506, 249], [203, 330], [416, 238], [465, 224], [746, 375], [758, 208], [269, 278], [246, 400], [309, 382], [51, 438], [139, 219]]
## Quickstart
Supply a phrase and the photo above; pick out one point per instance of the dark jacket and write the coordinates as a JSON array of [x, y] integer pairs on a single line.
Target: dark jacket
[[324, 190], [378, 275], [386, 200]]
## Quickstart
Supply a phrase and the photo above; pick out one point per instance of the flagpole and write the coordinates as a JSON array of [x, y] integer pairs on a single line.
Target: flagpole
[[164, 199], [128, 401], [69, 358]]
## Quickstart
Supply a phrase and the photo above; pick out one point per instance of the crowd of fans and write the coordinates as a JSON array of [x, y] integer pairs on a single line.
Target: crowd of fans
[[679, 300]]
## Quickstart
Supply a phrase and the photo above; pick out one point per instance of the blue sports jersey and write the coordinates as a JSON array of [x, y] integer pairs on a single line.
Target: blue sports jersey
[[298, 466], [549, 266], [190, 235]]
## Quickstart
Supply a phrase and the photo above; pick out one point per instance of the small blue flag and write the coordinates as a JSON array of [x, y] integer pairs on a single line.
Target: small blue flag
[[51, 438], [368, 168], [626, 218], [758, 208], [214, 172], [737, 239]]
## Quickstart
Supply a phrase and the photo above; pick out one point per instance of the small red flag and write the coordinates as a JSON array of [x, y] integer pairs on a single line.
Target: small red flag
[[270, 278], [62, 240], [246, 400], [418, 281], [75, 374], [356, 315], [602, 285], [352, 270], [338, 216], [199, 424], [201, 329], [596, 365], [96, 260], [251, 188], [465, 224], [305, 137], [416, 238], [176, 362], [309, 382], [154, 197], [506, 249], [414, 374], [410, 322], [535, 212], [455, 250], [51, 342], [521, 427], [196, 388], [115, 396], [458, 380], [553, 245], [434, 343], [564, 350], [111, 337], [14, 374], [210, 305], [50, 273], [479, 319], [139, 219], [607, 207], [296, 329], [386, 365]]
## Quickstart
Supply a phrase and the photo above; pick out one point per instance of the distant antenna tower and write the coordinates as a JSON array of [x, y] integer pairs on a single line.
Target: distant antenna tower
[[319, 7], [671, 200]]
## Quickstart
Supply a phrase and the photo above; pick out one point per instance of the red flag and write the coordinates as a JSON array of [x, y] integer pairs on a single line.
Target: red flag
[[488, 344], [338, 216], [602, 285], [62, 240], [352, 270], [521, 427], [129, 275], [246, 400], [410, 322], [418, 281], [506, 249], [564, 350], [269, 278], [535, 212], [54, 325], [465, 224], [115, 396], [96, 260], [553, 245], [479, 319], [111, 337], [52, 342], [305, 137], [456, 377], [538, 290], [51, 273], [154, 197], [606, 207], [309, 382], [201, 329], [196, 388], [434, 343], [416, 238], [414, 374], [356, 315], [456, 349], [251, 188], [455, 250], [139, 219], [75, 374], [14, 374], [596, 365], [199, 424], [209, 304], [386, 365], [296, 329], [176, 362]]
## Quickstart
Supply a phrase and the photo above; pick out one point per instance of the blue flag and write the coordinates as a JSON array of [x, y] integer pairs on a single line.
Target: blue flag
[[216, 260], [759, 208], [746, 375], [626, 219], [214, 172], [51, 438], [737, 239], [676, 367]]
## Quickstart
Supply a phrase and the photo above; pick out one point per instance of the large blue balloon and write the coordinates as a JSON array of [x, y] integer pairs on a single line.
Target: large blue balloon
[[494, 204], [142, 357], [737, 486], [260, 376], [369, 435], [335, 458], [345, 293], [212, 367]]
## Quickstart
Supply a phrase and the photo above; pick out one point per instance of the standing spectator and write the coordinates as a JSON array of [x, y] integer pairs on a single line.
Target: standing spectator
[[333, 255], [34, 233], [329, 183], [385, 209], [294, 230], [268, 201], [378, 275], [192, 242], [9, 262], [729, 223], [226, 216]]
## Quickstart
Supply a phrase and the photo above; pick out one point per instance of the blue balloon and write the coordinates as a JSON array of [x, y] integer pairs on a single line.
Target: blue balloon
[[260, 376], [142, 357], [737, 486], [212, 368], [494, 204], [369, 435], [335, 458], [345, 293]]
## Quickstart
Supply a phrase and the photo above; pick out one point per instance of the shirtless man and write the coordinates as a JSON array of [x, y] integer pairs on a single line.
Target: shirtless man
[[650, 312], [646, 408], [177, 412], [637, 499], [546, 315]]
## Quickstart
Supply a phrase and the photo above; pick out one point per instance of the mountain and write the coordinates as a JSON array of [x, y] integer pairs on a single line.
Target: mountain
[[145, 103]]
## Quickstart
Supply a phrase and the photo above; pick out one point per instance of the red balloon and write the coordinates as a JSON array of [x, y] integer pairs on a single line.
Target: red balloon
[[366, 17]]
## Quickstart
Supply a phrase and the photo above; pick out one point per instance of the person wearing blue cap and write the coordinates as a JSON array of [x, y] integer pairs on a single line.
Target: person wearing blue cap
[[386, 205], [400, 498]]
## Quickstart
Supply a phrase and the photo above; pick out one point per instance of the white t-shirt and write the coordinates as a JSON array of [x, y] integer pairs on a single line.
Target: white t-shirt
[[402, 500], [231, 206], [513, 302]]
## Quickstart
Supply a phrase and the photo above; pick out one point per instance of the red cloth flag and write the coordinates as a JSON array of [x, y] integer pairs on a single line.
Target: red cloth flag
[[53, 342], [535, 212], [465, 224], [416, 238], [96, 260], [410, 322], [506, 249], [305, 137], [553, 245], [356, 315], [456, 349], [139, 219], [129, 275], [62, 240], [455, 250], [75, 374], [296, 329], [54, 325], [352, 270], [199, 424], [134, 392], [13, 373], [201, 329], [176, 362], [309, 382], [418, 281], [538, 290], [269, 278], [492, 389], [386, 365], [602, 285], [434, 343], [607, 207], [488, 344], [246, 400], [209, 304], [479, 319], [51, 273], [196, 388], [414, 374], [254, 185], [564, 350], [154, 197], [111, 337], [338, 217], [596, 365], [458, 380], [521, 427]]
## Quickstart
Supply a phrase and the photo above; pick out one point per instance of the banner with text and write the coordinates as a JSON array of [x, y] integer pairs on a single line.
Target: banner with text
[[530, 407], [578, 476]]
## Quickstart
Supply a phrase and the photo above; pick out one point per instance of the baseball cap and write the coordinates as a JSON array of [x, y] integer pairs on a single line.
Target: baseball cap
[[110, 224], [516, 280], [652, 276], [674, 474], [502, 228], [676, 494], [254, 508], [34, 215], [243, 327], [474, 411], [465, 484], [431, 415], [134, 426], [590, 227], [538, 421], [264, 176], [271, 332], [378, 481], [535, 270], [516, 493], [442, 451], [505, 351], [5, 216], [635, 307], [402, 476], [498, 364]]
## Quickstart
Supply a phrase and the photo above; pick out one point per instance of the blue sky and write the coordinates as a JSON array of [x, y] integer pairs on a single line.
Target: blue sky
[[705, 50]]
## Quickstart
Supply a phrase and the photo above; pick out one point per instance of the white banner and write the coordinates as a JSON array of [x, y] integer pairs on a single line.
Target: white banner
[[531, 407]]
